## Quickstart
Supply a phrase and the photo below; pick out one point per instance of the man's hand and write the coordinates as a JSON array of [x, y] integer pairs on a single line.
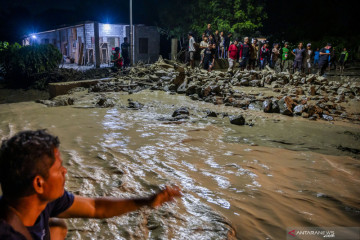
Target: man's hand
[[166, 195]]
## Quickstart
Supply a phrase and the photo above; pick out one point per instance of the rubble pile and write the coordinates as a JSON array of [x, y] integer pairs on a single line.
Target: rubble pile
[[310, 96]]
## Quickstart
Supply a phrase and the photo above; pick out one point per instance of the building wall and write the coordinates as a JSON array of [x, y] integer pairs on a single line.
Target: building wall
[[67, 39], [153, 41]]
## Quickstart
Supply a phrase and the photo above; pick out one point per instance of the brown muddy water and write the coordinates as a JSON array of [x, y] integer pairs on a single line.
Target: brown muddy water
[[239, 182]]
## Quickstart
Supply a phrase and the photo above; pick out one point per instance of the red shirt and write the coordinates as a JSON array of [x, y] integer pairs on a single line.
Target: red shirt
[[233, 50]]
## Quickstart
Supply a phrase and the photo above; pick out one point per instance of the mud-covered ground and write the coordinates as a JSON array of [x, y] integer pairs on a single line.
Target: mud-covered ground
[[247, 181]]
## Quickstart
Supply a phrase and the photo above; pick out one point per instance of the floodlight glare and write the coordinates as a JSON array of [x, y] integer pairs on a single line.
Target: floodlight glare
[[107, 27], [33, 36]]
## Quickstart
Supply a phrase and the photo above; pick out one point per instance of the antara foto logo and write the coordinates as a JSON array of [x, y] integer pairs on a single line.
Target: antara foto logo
[[292, 233]]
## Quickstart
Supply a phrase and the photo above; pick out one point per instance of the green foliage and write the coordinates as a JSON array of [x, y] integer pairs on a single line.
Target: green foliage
[[236, 16], [21, 64]]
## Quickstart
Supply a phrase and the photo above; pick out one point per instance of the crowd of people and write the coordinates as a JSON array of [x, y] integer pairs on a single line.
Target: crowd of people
[[259, 54]]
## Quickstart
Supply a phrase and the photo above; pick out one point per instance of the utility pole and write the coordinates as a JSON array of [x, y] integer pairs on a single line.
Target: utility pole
[[131, 36]]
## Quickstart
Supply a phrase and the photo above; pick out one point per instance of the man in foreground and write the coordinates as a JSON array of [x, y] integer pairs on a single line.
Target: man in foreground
[[32, 179]]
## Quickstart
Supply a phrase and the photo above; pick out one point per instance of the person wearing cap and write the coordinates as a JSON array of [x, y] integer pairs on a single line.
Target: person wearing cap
[[324, 59], [191, 49], [307, 59], [285, 57]]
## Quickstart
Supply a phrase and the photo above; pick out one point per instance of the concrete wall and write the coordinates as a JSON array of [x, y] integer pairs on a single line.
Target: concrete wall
[[66, 42]]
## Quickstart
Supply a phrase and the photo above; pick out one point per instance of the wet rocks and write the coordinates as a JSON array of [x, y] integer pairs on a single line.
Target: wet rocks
[[134, 105], [181, 112], [105, 102], [286, 105], [267, 106], [237, 120]]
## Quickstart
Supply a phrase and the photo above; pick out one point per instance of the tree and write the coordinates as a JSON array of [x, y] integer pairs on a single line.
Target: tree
[[236, 16]]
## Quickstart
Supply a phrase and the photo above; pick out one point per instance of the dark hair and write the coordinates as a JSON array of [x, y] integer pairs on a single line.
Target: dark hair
[[22, 158], [117, 49], [125, 38]]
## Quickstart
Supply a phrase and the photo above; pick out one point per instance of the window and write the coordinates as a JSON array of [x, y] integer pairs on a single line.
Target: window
[[54, 41], [45, 41], [143, 45]]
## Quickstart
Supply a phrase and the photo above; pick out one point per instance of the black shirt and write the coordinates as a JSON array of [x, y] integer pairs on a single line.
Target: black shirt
[[324, 58], [208, 55], [40, 230]]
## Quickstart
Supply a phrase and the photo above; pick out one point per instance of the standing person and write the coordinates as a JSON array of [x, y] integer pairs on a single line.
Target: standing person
[[307, 59], [275, 60], [217, 42], [211, 39], [324, 59], [316, 57], [233, 52], [34, 200], [254, 54], [125, 46], [285, 57], [203, 45], [208, 31], [244, 53], [227, 44], [299, 57], [191, 49], [209, 57], [343, 58], [264, 55], [222, 45]]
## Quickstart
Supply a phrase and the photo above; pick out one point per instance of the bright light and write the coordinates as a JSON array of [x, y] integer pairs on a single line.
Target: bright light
[[107, 27], [33, 36]]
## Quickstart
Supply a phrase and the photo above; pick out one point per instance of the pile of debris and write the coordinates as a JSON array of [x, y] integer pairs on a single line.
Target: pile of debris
[[309, 96]]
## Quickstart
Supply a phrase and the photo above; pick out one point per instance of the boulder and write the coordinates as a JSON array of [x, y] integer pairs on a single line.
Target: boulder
[[134, 104], [181, 111], [299, 109], [286, 106], [256, 105], [210, 113], [105, 103], [267, 106], [237, 120], [255, 83]]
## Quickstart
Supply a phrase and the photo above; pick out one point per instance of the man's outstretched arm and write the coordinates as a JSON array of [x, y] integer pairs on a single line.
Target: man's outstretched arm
[[84, 207]]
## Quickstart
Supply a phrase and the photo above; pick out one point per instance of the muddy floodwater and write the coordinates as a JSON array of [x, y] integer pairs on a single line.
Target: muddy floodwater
[[238, 182]]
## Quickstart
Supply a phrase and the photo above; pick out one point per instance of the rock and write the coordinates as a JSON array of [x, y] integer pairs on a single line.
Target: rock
[[244, 82], [299, 109], [305, 115], [313, 109], [182, 87], [327, 117], [210, 113], [275, 106], [134, 104], [286, 106], [267, 106], [105, 103], [311, 78], [257, 105], [161, 73], [237, 120], [255, 83], [343, 90], [312, 91], [181, 111]]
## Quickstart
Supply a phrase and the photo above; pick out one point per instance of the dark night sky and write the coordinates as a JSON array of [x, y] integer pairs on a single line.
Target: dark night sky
[[288, 18]]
